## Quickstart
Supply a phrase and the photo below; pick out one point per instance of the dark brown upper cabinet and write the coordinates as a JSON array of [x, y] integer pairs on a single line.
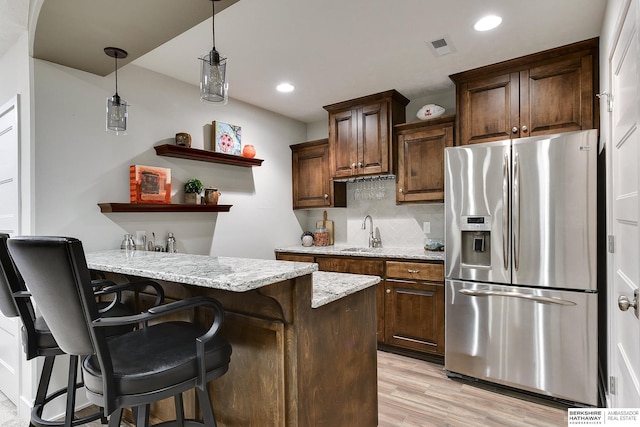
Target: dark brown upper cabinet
[[313, 186], [547, 92], [361, 134], [420, 156]]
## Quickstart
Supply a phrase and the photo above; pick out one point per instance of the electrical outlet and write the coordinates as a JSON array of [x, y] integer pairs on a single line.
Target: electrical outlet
[[426, 227]]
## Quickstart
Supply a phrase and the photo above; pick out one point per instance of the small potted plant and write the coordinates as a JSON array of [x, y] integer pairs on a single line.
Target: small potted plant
[[192, 191]]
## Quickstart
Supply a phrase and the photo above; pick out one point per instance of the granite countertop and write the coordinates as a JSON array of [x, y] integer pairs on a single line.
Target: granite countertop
[[345, 250], [231, 274], [329, 287]]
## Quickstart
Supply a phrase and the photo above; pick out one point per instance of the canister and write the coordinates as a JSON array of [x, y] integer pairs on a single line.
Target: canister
[[321, 236]]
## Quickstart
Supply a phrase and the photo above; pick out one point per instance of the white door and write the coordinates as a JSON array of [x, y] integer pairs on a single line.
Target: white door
[[9, 223], [624, 268]]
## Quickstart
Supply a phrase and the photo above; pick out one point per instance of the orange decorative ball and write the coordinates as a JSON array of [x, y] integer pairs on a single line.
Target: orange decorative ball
[[249, 151]]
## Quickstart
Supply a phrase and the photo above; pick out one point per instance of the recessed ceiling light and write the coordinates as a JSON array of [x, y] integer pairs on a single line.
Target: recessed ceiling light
[[285, 87], [487, 23]]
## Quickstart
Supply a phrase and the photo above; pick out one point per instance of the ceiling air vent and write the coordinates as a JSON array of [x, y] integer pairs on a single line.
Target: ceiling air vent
[[441, 46]]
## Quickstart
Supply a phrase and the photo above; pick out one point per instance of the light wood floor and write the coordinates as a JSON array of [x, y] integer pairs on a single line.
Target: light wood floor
[[415, 393]]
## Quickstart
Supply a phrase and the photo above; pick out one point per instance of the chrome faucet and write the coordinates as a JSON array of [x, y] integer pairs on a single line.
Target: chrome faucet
[[374, 242]]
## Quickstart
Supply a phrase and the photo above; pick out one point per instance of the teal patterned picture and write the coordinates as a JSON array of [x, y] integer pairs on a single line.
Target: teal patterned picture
[[227, 138]]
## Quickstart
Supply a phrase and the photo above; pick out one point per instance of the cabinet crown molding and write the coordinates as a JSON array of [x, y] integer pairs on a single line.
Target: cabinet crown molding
[[389, 94], [524, 62]]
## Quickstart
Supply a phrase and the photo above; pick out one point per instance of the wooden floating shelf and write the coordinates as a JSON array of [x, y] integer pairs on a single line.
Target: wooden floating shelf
[[180, 152], [143, 207]]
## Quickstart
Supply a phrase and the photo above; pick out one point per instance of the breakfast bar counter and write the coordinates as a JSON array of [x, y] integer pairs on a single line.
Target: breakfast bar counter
[[304, 342]]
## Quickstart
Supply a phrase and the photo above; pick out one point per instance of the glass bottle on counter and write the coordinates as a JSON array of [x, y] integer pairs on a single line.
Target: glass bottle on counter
[[127, 243], [171, 244]]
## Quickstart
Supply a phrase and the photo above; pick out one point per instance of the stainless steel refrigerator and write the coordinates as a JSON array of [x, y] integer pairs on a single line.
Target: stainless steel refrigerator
[[520, 264]]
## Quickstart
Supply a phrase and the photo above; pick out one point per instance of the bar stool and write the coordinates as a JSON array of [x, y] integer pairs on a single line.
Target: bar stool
[[134, 369], [37, 339]]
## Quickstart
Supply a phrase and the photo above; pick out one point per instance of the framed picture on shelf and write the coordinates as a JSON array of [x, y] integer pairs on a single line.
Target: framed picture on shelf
[[226, 138], [149, 184]]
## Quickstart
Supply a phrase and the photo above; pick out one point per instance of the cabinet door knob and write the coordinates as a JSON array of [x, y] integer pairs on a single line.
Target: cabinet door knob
[[359, 164], [353, 165], [413, 271], [400, 190], [326, 196], [524, 128], [388, 291], [514, 129]]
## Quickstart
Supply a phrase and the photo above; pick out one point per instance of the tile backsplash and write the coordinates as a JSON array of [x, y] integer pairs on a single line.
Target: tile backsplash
[[397, 226]]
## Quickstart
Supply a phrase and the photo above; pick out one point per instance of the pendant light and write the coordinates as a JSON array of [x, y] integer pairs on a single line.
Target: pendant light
[[213, 78], [117, 112]]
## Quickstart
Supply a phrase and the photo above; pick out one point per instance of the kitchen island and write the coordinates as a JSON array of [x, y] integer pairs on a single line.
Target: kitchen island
[[304, 342]]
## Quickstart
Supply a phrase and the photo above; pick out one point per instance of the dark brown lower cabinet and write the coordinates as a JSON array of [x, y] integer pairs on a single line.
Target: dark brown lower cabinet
[[410, 299], [414, 306], [414, 314]]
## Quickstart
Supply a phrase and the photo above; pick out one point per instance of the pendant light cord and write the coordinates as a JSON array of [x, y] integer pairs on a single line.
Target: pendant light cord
[[213, 23], [116, 58], [214, 56], [115, 53]]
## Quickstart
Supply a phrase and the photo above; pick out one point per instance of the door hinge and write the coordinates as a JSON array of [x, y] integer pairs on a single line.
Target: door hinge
[[611, 244], [609, 100], [612, 384]]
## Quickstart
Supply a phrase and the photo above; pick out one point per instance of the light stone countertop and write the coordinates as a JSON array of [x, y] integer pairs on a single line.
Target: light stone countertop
[[329, 287], [346, 250], [231, 274]]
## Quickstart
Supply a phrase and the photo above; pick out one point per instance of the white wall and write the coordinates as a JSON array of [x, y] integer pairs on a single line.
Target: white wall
[[78, 164]]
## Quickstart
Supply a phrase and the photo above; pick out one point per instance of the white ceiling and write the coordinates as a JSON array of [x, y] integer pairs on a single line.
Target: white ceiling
[[13, 22], [335, 50]]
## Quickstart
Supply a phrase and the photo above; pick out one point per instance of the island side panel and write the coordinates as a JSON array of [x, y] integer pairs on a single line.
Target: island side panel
[[338, 364], [253, 391], [261, 387]]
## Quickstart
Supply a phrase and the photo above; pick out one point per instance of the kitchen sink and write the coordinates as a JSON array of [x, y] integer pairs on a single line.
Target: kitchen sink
[[359, 249]]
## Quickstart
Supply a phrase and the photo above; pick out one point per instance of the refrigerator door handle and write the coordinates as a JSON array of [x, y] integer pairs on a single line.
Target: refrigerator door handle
[[505, 211], [516, 212], [536, 298]]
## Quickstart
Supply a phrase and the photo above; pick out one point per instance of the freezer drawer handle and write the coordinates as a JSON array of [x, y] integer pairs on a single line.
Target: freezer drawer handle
[[536, 298]]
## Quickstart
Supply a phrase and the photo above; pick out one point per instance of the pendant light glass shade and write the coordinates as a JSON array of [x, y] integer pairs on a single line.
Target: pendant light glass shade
[[213, 75], [117, 114], [213, 84], [117, 108]]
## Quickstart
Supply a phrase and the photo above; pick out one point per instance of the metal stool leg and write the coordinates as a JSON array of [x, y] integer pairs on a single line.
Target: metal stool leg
[[43, 386], [115, 418], [71, 390], [42, 398], [142, 420], [179, 410], [206, 407]]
